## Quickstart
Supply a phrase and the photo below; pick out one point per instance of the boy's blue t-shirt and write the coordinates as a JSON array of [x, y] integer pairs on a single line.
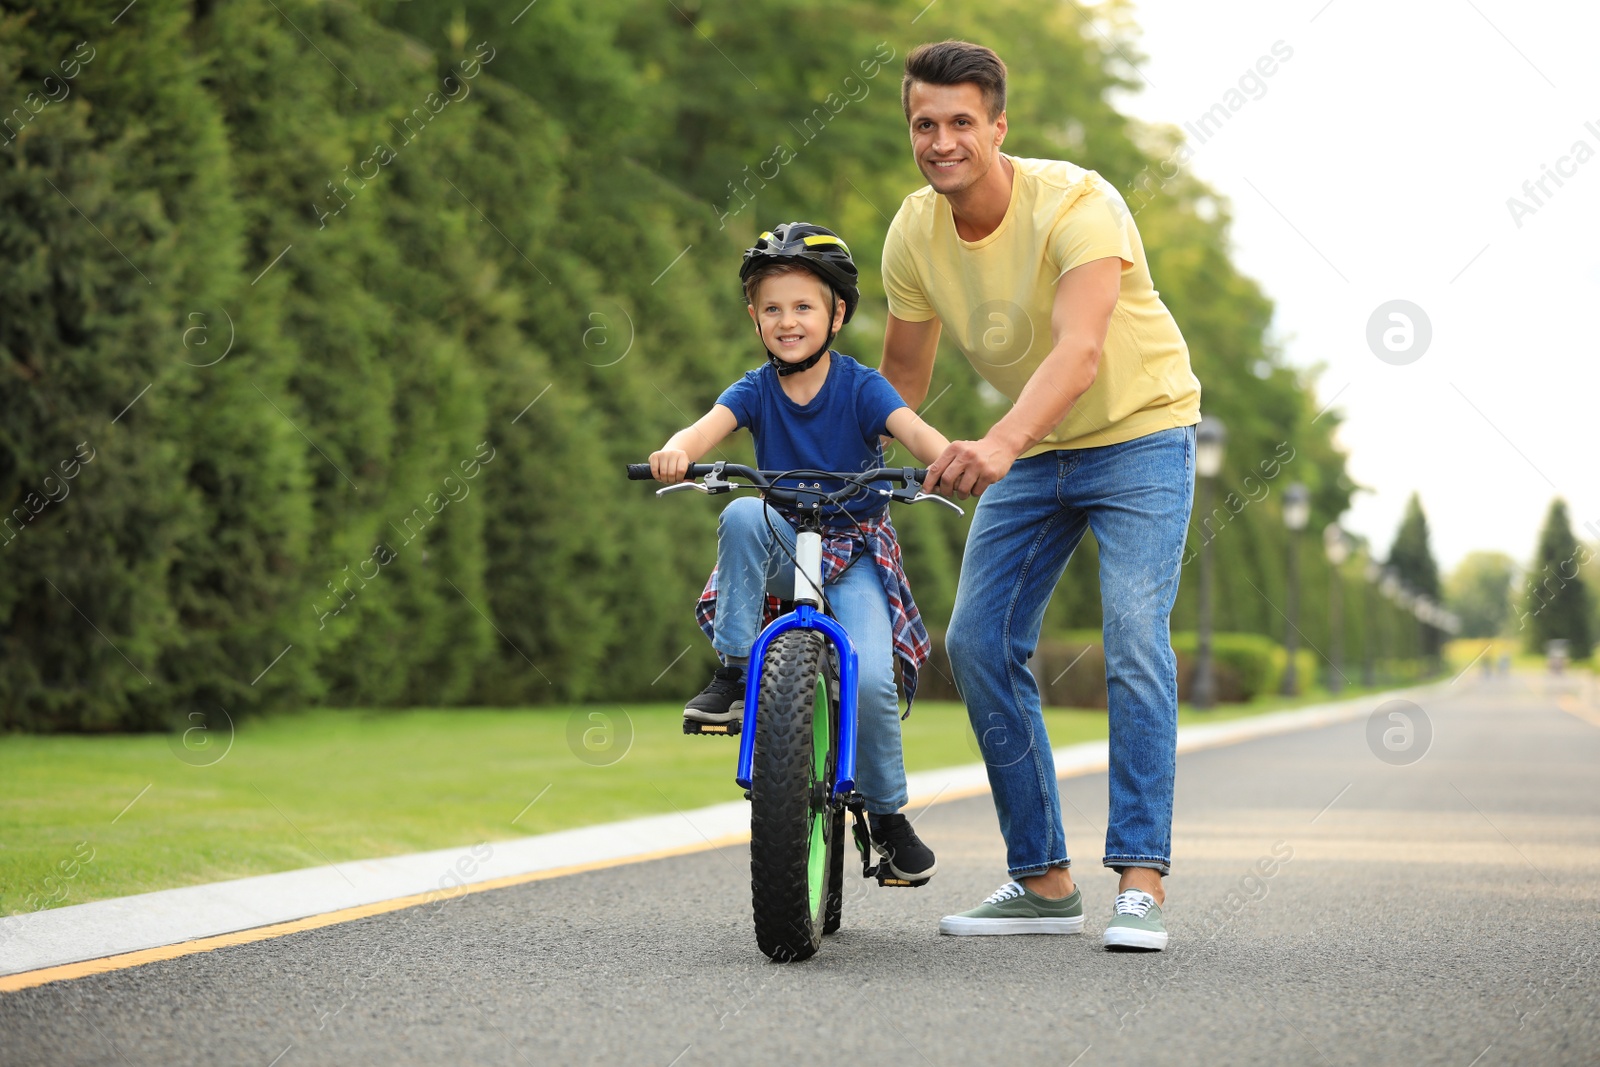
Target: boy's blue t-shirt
[[838, 431]]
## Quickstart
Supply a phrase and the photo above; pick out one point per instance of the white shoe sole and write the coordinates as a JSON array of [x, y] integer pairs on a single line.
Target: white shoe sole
[[1123, 937], [735, 711], [962, 926], [898, 873]]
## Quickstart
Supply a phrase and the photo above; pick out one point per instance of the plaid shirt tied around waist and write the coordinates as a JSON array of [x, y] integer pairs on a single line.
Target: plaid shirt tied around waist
[[839, 546]]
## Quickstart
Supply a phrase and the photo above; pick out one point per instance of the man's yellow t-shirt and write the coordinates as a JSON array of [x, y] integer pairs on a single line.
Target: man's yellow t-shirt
[[994, 298]]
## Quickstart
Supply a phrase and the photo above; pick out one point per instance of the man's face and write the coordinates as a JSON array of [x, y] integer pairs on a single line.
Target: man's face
[[952, 137]]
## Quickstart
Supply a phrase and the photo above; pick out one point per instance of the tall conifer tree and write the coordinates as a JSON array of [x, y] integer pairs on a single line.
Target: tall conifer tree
[[1556, 600]]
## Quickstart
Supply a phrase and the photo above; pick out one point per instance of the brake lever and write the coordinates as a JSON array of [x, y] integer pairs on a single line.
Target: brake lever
[[911, 493], [951, 504], [678, 487]]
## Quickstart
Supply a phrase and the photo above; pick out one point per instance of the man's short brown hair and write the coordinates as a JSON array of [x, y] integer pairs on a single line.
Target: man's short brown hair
[[956, 63]]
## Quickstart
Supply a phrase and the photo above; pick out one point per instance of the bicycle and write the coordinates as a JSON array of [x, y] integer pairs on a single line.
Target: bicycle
[[797, 739]]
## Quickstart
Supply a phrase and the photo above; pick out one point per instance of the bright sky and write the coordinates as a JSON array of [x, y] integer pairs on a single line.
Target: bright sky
[[1375, 164]]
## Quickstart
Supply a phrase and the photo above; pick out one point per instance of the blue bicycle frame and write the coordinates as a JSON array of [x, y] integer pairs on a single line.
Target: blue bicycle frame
[[804, 617]]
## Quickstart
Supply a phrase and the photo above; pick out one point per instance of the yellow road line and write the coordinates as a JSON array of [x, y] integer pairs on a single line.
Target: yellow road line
[[67, 971], [1569, 704]]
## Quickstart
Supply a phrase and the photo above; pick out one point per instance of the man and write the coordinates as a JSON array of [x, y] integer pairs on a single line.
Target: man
[[1036, 269]]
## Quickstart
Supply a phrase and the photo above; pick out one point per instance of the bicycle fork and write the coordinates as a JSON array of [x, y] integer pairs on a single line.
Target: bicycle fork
[[807, 615]]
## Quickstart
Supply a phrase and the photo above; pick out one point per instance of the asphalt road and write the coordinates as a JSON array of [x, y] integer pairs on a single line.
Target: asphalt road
[[1432, 910]]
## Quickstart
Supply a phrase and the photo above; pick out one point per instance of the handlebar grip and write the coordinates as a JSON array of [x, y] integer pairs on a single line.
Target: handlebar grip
[[640, 472]]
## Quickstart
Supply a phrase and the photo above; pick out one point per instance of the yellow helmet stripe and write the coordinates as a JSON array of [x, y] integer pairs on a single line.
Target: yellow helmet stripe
[[824, 239]]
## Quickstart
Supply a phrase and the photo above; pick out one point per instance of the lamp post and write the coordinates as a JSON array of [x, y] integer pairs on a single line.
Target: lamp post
[[1369, 670], [1210, 441], [1296, 513], [1407, 599], [1389, 585], [1425, 610], [1337, 546]]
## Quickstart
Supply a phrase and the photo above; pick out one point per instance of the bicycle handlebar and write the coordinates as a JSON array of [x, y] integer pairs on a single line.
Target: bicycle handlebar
[[640, 472], [911, 478]]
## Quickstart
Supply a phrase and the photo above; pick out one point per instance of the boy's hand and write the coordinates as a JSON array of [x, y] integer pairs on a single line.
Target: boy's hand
[[669, 465]]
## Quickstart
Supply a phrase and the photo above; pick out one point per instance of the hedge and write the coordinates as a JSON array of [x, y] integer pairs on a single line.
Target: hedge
[[1071, 671]]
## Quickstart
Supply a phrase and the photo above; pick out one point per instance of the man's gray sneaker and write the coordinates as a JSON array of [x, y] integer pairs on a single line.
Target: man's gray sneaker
[[1136, 922], [1014, 909]]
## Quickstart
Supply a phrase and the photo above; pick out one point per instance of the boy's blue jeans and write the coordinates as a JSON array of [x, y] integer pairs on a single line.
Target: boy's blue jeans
[[1136, 497], [751, 564]]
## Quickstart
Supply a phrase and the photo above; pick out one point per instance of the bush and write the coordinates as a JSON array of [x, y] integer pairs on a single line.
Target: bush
[[1071, 668], [1307, 664], [1244, 666]]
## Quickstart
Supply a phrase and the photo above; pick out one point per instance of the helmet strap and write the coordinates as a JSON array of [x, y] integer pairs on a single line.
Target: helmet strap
[[785, 369]]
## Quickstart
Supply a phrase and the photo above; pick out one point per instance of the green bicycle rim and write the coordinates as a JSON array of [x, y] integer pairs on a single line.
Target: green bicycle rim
[[817, 861]]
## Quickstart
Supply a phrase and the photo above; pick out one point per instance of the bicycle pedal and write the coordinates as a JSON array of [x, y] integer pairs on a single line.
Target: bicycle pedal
[[714, 729], [890, 881]]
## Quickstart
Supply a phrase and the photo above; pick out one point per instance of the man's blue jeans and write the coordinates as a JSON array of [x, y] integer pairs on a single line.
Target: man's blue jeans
[[754, 559], [1136, 497]]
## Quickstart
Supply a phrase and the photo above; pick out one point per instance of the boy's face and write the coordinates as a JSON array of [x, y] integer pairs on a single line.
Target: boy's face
[[792, 315]]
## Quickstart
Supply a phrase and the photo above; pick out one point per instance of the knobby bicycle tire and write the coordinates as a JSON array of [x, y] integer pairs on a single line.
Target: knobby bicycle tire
[[794, 843]]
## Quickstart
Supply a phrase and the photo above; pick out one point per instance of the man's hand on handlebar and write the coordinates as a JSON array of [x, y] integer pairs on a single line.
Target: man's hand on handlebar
[[669, 465], [967, 468]]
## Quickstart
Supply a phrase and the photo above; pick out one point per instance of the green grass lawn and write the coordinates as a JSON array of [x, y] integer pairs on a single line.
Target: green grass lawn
[[300, 790]]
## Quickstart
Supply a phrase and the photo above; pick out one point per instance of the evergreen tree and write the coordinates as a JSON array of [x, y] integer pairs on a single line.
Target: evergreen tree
[[1411, 555], [1411, 559], [128, 587], [1556, 603]]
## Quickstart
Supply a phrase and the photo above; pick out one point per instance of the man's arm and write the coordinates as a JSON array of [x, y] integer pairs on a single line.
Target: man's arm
[[908, 351], [1085, 298]]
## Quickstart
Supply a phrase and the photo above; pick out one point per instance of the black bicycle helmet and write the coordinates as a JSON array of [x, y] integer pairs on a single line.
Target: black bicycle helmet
[[820, 251]]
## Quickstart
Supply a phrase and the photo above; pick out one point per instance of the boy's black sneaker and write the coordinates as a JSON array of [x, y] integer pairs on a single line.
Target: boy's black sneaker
[[720, 702], [898, 844]]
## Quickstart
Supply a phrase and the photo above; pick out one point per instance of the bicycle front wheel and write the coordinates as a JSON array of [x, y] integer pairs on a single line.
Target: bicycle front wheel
[[793, 834]]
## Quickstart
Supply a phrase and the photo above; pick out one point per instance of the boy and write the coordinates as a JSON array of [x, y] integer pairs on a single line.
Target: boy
[[811, 408]]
